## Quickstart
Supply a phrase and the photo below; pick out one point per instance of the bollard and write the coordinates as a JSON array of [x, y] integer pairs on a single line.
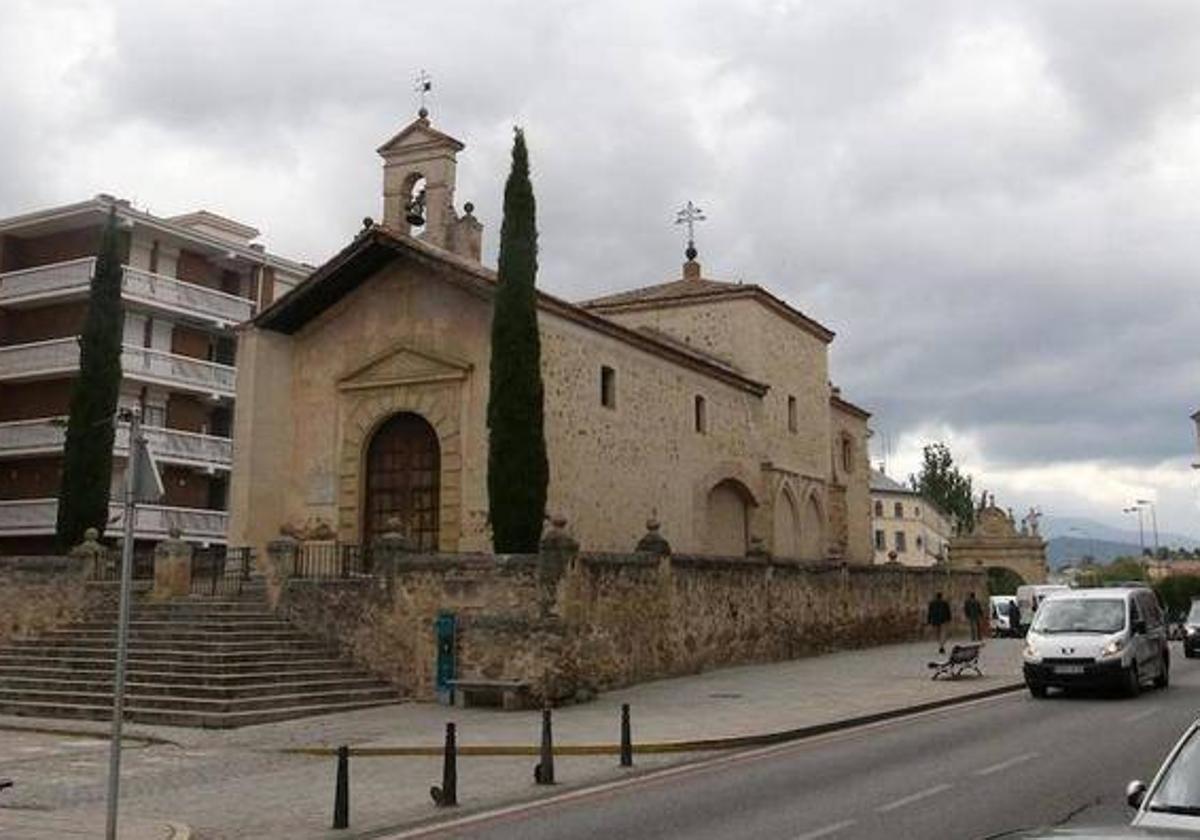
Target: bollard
[[341, 790], [626, 738], [446, 796], [543, 774]]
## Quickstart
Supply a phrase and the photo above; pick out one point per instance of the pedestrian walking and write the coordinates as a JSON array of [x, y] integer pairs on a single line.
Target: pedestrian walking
[[973, 610], [937, 617], [1014, 618]]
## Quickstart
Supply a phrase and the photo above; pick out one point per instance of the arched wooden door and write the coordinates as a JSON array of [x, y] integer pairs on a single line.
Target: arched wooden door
[[403, 480]]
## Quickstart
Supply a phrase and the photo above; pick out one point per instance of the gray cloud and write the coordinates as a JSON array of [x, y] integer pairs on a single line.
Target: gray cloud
[[993, 204]]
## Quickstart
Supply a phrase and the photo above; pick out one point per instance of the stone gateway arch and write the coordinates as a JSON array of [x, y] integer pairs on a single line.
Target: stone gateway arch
[[995, 542]]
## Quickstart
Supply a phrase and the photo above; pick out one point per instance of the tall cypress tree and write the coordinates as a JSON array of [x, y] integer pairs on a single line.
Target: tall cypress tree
[[518, 471], [88, 457]]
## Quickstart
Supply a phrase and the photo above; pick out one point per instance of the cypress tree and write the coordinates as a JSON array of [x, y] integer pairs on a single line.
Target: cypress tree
[[88, 457], [518, 472]]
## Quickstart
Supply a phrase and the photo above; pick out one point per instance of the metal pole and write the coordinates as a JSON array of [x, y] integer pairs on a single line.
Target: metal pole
[[341, 789], [114, 749], [1141, 533], [543, 774], [626, 738], [1154, 522]]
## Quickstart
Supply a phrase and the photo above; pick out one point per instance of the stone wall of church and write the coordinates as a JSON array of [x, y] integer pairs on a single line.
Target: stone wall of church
[[308, 404], [601, 621], [38, 594]]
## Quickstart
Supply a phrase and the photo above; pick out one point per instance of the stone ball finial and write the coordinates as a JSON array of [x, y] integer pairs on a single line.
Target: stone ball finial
[[652, 542], [556, 537], [368, 222], [423, 112], [91, 534], [468, 208], [757, 548]]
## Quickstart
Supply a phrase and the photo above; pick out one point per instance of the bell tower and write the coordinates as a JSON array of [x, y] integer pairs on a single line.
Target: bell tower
[[418, 189]]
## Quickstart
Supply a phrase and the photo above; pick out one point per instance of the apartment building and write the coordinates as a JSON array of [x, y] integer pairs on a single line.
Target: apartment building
[[188, 282], [908, 528]]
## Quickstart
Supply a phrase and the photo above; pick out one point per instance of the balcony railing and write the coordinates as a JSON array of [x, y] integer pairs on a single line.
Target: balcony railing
[[31, 437], [32, 517], [157, 290], [145, 287], [61, 355], [181, 371], [31, 284]]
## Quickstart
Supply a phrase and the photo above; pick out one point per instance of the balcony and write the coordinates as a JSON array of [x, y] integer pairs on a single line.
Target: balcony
[[73, 278], [171, 446], [36, 517], [61, 355]]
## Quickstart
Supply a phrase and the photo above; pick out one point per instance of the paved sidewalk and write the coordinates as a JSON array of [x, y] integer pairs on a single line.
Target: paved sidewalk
[[246, 784]]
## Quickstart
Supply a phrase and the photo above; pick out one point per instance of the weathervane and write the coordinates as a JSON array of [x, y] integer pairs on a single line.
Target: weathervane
[[422, 84], [688, 215]]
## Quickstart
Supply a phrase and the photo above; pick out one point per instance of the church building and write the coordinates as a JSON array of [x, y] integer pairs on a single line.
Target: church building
[[707, 405]]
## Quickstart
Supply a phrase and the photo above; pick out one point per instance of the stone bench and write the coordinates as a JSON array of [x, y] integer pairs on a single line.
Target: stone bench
[[507, 694]]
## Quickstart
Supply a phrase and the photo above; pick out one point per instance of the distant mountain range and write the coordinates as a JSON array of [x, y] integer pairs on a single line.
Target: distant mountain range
[[1069, 538]]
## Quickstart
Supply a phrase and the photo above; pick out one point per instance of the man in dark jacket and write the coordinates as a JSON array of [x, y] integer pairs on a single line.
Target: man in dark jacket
[[938, 617], [973, 610], [1014, 618]]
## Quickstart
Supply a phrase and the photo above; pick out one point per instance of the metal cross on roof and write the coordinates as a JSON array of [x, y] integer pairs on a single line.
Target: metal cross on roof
[[688, 215], [422, 84]]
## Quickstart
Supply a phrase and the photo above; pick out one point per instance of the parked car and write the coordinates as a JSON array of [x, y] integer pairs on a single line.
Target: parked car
[[1097, 638], [999, 615], [1171, 802], [1191, 631]]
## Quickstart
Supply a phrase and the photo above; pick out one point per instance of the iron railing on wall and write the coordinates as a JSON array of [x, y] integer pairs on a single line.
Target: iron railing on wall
[[332, 561], [220, 570]]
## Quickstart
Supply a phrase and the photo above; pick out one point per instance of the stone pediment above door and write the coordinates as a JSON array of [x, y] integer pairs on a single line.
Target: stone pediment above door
[[403, 365]]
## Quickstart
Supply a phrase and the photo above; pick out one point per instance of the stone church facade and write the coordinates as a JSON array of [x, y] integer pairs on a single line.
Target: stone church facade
[[362, 396]]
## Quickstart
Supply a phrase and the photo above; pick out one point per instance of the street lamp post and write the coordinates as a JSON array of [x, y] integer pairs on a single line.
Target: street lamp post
[[1153, 521], [1141, 530]]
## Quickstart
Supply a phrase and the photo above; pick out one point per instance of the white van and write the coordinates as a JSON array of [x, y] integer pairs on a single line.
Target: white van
[[1030, 597], [1001, 626], [1095, 637]]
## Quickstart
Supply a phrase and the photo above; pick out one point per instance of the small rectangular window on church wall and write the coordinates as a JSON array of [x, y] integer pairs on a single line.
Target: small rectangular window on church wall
[[901, 545], [880, 540], [701, 415], [608, 387], [792, 424], [899, 510]]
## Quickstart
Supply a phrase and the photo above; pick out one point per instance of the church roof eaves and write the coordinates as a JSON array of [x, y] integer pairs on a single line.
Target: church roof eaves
[[374, 247], [687, 292], [849, 407]]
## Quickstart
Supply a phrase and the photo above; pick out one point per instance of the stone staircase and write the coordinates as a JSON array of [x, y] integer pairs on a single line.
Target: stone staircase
[[192, 662]]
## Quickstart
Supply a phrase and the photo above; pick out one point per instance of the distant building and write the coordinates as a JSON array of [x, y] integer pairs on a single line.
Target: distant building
[[188, 282], [907, 527]]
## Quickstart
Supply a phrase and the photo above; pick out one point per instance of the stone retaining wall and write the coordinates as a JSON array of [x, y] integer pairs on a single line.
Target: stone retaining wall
[[39, 594], [573, 625]]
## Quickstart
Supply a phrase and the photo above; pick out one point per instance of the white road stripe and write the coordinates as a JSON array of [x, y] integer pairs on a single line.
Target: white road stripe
[[826, 831], [916, 797], [1142, 715], [1004, 765]]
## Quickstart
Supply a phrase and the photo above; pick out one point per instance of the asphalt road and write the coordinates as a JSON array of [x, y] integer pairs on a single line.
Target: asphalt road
[[968, 772]]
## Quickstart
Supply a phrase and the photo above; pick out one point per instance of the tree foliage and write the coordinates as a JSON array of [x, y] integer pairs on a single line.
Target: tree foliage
[[518, 471], [88, 456], [1176, 593], [1120, 569], [942, 483], [1003, 581]]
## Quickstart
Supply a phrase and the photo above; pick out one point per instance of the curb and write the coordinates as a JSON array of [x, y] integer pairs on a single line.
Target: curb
[[101, 734], [658, 747]]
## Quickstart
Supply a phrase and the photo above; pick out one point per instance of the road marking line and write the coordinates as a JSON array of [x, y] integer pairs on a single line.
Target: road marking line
[[827, 830], [1004, 765], [670, 773], [916, 797], [1142, 715]]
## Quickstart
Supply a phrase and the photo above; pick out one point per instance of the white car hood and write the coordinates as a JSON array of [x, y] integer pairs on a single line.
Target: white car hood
[[1070, 645]]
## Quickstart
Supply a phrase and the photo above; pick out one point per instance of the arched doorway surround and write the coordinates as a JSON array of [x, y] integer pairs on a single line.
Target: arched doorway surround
[[812, 530], [403, 480], [787, 525], [728, 518]]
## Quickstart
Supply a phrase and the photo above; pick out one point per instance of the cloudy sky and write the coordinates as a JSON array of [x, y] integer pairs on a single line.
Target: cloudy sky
[[995, 205]]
